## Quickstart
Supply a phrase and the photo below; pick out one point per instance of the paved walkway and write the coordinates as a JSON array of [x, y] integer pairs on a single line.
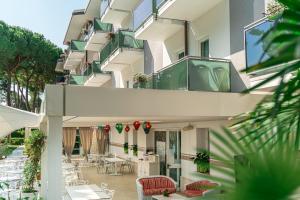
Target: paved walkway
[[123, 185]]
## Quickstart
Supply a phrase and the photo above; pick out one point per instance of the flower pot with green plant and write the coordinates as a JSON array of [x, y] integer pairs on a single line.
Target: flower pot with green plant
[[140, 80], [34, 146], [166, 193], [202, 161], [135, 149], [125, 146]]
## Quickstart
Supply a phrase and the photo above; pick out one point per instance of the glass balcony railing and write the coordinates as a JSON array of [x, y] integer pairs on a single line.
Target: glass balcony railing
[[103, 6], [97, 25], [122, 39], [94, 68], [193, 74], [144, 10], [77, 45], [76, 79]]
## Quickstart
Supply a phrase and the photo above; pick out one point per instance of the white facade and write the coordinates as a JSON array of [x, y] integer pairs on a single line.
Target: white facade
[[167, 110]]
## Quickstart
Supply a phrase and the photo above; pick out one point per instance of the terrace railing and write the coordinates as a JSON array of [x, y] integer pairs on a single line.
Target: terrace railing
[[97, 25], [122, 39], [144, 11], [192, 74]]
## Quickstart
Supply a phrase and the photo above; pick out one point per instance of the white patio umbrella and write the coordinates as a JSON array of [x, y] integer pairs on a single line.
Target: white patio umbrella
[[12, 119]]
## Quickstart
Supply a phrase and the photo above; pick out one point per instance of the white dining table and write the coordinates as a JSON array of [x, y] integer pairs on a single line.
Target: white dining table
[[114, 160], [86, 192]]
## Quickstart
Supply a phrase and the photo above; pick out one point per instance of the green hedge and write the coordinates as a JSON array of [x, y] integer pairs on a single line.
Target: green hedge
[[6, 150]]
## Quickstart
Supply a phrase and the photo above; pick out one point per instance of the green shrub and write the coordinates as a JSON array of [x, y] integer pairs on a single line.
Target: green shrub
[[17, 141]]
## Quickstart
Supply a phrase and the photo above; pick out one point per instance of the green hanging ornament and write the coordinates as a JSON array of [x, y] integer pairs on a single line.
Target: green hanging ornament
[[119, 127], [147, 126]]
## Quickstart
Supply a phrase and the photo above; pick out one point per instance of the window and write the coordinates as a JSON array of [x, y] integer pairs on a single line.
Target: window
[[205, 49], [180, 54], [203, 138]]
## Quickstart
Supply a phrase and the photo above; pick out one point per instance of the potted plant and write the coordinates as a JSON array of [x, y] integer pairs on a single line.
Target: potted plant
[[34, 145], [202, 161], [140, 80], [135, 149], [125, 146], [166, 193]]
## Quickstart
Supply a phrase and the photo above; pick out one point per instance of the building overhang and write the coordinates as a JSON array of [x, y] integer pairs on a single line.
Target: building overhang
[[158, 29], [79, 18], [110, 105], [74, 59], [97, 41], [122, 58], [97, 79], [118, 10], [186, 10]]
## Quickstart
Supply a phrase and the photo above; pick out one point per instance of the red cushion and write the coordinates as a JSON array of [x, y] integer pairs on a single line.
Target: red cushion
[[150, 192], [192, 193], [157, 185]]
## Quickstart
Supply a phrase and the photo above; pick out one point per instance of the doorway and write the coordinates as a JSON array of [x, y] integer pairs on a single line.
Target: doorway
[[168, 147]]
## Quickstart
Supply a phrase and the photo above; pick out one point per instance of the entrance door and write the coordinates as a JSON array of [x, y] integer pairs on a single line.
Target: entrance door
[[168, 147]]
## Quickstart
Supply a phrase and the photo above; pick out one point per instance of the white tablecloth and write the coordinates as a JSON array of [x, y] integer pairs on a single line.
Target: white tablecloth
[[86, 192]]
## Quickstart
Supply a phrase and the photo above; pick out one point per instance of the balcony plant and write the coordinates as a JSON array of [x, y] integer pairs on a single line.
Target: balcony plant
[[125, 146], [202, 161], [135, 149], [140, 80], [34, 146]]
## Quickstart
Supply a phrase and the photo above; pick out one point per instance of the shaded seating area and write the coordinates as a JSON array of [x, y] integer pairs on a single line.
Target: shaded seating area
[[154, 185], [199, 188]]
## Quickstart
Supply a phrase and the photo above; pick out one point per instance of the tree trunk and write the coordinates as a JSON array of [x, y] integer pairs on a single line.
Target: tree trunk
[[8, 89]]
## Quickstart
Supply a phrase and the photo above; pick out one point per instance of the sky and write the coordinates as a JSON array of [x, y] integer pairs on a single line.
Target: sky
[[48, 17]]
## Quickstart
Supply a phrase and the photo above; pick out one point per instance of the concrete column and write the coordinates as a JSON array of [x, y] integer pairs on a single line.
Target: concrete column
[[51, 162], [43, 127], [27, 132]]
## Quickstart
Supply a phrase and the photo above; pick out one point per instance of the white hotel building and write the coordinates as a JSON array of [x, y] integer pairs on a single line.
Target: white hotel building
[[192, 52]]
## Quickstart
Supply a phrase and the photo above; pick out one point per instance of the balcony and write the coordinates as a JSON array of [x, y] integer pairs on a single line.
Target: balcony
[[150, 27], [60, 65], [75, 54], [94, 76], [184, 10], [115, 11], [70, 79], [97, 35], [122, 51], [192, 74]]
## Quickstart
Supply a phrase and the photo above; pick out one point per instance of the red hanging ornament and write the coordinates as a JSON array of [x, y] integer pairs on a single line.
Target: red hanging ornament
[[136, 125], [127, 128], [106, 128], [147, 126]]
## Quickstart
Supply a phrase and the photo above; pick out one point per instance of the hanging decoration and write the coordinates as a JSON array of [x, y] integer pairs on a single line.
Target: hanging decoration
[[136, 125], [119, 127], [127, 128], [106, 128], [147, 126]]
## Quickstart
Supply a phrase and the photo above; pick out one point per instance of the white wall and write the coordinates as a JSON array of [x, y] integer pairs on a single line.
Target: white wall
[[213, 25]]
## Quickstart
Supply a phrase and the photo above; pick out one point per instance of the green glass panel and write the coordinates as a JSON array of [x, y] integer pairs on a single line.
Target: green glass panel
[[206, 75], [173, 78], [100, 26], [77, 45], [122, 39], [77, 80]]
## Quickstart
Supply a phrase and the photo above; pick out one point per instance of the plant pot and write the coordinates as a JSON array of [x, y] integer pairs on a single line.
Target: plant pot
[[141, 85], [135, 153], [203, 168], [126, 151], [29, 196]]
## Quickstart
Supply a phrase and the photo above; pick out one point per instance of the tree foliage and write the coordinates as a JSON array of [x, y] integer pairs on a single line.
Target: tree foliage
[[27, 63]]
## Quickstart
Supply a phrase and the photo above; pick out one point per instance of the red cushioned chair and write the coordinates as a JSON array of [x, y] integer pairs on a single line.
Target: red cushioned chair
[[154, 185], [199, 188]]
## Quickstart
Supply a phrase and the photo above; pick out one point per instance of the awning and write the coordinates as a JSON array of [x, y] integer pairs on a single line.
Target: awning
[[12, 119]]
